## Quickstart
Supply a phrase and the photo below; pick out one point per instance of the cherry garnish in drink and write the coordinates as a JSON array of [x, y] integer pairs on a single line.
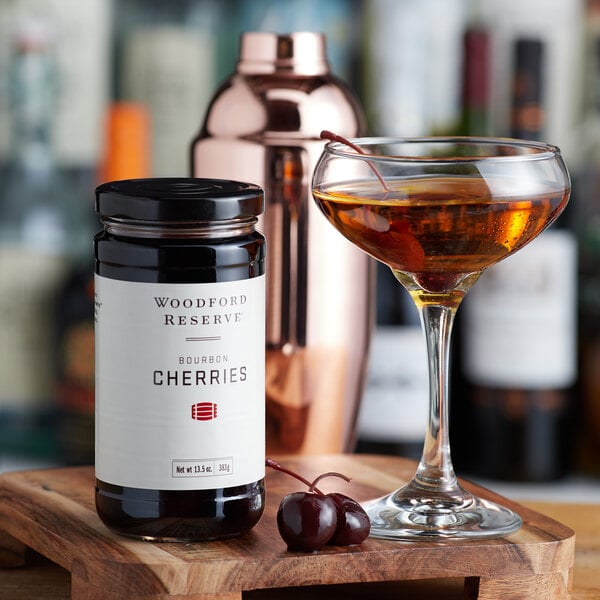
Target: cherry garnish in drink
[[309, 520], [403, 247], [335, 137]]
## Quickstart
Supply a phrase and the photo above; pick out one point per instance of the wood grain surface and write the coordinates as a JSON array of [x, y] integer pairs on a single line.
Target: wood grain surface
[[52, 512]]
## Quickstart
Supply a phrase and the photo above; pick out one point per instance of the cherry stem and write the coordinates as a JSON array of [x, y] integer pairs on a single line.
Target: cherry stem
[[312, 487], [329, 474], [334, 137], [269, 462]]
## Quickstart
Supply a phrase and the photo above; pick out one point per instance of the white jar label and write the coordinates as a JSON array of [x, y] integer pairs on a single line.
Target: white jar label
[[180, 372]]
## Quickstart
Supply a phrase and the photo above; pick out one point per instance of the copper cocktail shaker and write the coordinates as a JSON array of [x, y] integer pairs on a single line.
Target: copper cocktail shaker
[[263, 126]]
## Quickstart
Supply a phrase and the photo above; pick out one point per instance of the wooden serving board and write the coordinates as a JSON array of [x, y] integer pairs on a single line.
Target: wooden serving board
[[52, 512]]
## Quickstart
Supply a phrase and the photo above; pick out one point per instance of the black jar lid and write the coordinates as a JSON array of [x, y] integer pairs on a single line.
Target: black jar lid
[[178, 199]]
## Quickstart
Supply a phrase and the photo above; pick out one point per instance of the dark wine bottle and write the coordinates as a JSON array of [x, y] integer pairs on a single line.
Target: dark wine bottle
[[587, 227], [518, 334], [475, 121], [74, 320]]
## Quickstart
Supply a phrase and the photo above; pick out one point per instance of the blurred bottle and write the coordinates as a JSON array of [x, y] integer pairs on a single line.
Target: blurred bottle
[[167, 60], [519, 355], [41, 231], [475, 111], [558, 26], [126, 155], [528, 107], [412, 62], [393, 413], [127, 143], [475, 121], [263, 126], [74, 362], [81, 51], [587, 226]]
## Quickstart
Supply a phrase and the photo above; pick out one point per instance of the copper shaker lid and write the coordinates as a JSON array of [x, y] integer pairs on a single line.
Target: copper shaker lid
[[301, 53]]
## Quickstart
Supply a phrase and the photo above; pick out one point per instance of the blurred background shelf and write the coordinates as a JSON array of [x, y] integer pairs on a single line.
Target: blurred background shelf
[[105, 89]]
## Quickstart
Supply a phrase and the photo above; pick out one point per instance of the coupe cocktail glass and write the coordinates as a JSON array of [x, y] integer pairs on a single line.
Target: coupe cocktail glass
[[438, 211]]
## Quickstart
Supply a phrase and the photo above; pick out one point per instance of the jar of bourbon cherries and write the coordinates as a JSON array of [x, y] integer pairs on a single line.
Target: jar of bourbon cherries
[[180, 355]]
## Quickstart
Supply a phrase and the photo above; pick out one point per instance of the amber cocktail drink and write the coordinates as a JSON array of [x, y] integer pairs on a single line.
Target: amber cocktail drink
[[438, 212]]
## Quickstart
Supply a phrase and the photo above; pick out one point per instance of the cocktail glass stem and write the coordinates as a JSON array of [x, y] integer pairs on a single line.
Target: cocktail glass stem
[[434, 489], [433, 503], [435, 471]]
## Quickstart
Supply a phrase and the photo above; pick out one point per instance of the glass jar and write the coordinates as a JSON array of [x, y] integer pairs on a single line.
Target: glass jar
[[180, 352]]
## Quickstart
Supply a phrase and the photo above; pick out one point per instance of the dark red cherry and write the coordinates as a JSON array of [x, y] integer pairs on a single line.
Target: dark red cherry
[[307, 520], [353, 524]]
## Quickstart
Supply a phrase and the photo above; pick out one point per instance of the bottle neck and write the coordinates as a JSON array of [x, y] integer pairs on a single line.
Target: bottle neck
[[528, 117], [475, 88]]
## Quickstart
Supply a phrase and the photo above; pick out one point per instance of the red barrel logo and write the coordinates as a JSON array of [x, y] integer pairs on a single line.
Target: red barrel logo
[[204, 411]]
